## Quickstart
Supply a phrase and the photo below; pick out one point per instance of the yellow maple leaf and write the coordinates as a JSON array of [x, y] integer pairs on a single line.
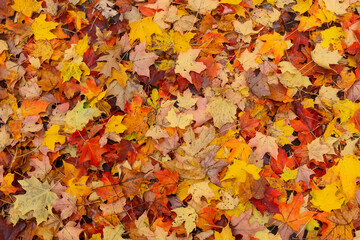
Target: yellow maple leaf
[[234, 2], [199, 190], [274, 43], [222, 111], [26, 7], [187, 62], [38, 199], [185, 215], [180, 120], [323, 56], [334, 36], [79, 17], [226, 234], [202, 6], [69, 70], [43, 49], [42, 29], [143, 29], [115, 125], [238, 171], [82, 46], [289, 174], [320, 12], [348, 170], [302, 6], [328, 198], [307, 23], [52, 136], [79, 188], [182, 41], [291, 77], [6, 186]]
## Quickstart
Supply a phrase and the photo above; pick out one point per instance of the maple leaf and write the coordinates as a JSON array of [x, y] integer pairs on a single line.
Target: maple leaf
[[213, 167], [317, 149], [111, 61], [290, 213], [69, 70], [66, 205], [328, 198], [222, 111], [142, 60], [42, 29], [42, 168], [114, 125], [334, 36], [78, 117], [186, 62], [180, 120], [339, 224], [264, 144], [111, 233], [241, 225], [258, 84], [131, 182], [225, 234], [136, 118], [92, 151], [78, 188], [199, 190], [33, 107], [52, 136], [324, 57], [78, 18], [143, 29], [238, 171], [167, 182], [111, 190], [6, 186], [304, 174], [202, 6], [26, 7], [275, 44], [336, 6], [38, 198], [186, 215], [69, 232]]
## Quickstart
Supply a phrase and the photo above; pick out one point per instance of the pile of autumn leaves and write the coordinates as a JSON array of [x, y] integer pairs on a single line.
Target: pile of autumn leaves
[[198, 119]]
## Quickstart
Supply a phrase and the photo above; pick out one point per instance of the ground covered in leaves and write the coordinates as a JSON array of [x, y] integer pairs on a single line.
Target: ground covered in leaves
[[197, 119]]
